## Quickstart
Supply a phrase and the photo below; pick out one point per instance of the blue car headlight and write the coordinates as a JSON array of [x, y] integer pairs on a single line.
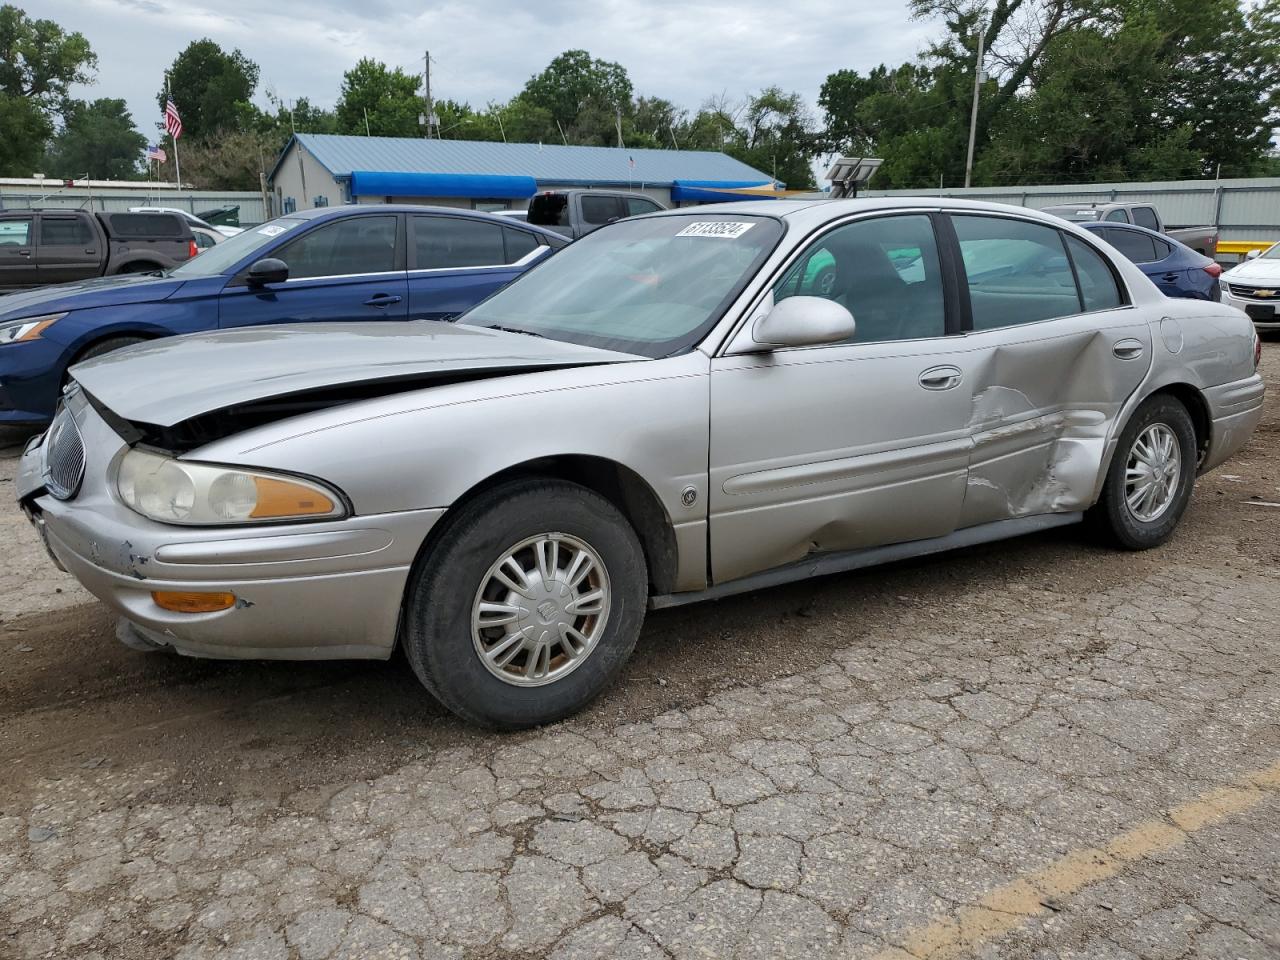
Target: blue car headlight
[[28, 328]]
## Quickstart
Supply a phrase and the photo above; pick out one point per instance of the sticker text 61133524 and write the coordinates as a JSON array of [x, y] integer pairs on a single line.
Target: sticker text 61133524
[[724, 229]]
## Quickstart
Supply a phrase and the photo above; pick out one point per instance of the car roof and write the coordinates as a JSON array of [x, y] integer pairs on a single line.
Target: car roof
[[353, 209]]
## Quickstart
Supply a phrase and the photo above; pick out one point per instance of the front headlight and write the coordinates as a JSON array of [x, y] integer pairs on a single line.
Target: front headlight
[[204, 494], [28, 328]]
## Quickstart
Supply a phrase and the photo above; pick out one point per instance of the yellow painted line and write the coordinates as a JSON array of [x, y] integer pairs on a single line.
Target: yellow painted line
[[1007, 907]]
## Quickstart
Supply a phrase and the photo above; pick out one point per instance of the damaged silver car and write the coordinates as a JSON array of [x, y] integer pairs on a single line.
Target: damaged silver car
[[677, 407]]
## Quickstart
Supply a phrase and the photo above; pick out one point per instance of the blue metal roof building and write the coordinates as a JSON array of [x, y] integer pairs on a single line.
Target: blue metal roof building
[[322, 169]]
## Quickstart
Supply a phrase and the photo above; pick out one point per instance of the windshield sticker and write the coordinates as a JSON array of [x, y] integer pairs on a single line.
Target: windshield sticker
[[724, 229], [272, 230]]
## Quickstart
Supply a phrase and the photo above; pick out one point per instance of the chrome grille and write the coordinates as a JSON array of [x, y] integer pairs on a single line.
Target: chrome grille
[[63, 457], [1255, 292]]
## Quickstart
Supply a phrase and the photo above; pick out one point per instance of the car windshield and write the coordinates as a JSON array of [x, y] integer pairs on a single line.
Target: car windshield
[[1074, 214], [651, 286], [220, 259], [1271, 253]]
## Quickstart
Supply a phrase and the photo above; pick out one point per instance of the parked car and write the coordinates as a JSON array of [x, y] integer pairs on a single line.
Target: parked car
[[647, 419], [1176, 269], [1254, 287], [206, 237], [334, 264], [41, 247], [193, 220], [576, 213], [1203, 240]]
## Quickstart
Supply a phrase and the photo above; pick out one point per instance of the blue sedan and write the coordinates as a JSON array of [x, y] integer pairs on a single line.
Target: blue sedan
[[1173, 267], [337, 264]]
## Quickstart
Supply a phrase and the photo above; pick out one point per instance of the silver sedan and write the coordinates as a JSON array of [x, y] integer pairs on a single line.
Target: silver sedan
[[676, 408]]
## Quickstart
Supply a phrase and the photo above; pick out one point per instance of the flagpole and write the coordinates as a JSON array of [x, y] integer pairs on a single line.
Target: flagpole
[[177, 164]]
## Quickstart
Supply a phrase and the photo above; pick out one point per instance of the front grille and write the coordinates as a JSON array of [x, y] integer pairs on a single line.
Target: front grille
[[63, 457], [1253, 292]]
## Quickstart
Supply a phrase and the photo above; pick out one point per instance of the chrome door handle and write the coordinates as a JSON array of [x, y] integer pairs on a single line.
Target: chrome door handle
[[381, 300], [941, 378], [1127, 349]]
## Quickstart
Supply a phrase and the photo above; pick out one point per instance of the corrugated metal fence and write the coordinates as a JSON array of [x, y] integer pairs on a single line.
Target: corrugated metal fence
[[252, 208], [1241, 209]]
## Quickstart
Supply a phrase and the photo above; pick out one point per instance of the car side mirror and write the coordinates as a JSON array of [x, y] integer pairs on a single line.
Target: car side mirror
[[1253, 255], [268, 270], [803, 322]]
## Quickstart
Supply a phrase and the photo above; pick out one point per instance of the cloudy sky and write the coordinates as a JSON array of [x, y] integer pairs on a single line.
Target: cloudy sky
[[486, 49]]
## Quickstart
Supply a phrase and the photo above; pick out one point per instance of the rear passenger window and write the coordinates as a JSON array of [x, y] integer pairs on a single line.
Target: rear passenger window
[[1135, 246], [444, 243], [600, 210], [1018, 272], [519, 244], [637, 206], [1162, 249], [1146, 217], [884, 270], [65, 232], [1118, 216], [15, 233], [1098, 287]]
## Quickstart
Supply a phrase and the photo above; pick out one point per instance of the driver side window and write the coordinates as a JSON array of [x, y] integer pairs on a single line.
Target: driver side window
[[884, 270]]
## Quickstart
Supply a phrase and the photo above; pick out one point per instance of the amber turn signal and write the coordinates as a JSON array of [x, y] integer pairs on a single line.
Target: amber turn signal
[[187, 601], [280, 498]]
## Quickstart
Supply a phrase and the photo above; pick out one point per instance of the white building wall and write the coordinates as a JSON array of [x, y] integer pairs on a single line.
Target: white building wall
[[302, 178]]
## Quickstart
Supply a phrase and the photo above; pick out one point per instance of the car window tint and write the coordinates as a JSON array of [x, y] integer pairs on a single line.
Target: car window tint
[[349, 246], [147, 224], [203, 240], [1118, 216], [1138, 247], [1162, 249], [885, 270], [549, 210], [600, 210], [519, 244], [1098, 287], [638, 205], [448, 243], [1146, 217], [65, 232], [1018, 272]]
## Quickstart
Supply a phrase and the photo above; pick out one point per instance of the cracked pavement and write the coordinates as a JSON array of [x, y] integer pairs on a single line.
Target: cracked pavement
[[850, 767]]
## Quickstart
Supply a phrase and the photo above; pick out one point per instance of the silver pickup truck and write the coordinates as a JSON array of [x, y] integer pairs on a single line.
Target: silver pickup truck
[[1202, 240]]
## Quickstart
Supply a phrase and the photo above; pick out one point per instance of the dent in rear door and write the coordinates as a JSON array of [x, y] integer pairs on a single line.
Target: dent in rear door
[[1045, 400]]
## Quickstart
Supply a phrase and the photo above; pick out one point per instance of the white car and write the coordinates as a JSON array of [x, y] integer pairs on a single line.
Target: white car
[[1254, 287], [191, 218]]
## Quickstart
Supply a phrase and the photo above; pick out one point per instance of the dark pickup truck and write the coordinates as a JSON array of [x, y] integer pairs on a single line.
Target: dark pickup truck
[[40, 247]]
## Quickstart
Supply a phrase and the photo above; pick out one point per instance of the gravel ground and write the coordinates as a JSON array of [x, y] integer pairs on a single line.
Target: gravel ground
[[1036, 749]]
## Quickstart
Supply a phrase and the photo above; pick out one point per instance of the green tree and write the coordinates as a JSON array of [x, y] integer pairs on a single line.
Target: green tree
[[775, 134], [38, 63], [583, 98], [212, 90], [389, 99], [96, 138]]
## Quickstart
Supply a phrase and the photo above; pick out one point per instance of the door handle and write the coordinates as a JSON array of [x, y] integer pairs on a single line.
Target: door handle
[[1127, 349], [24, 253], [941, 378], [381, 300], [1169, 277]]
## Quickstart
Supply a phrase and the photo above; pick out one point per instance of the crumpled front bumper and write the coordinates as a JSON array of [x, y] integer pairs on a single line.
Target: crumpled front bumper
[[308, 591]]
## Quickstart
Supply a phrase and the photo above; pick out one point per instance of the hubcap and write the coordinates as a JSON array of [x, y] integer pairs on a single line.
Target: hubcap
[[540, 609], [1152, 473]]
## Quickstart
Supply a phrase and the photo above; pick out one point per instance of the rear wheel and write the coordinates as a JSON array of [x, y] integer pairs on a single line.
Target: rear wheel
[[528, 606], [1151, 477]]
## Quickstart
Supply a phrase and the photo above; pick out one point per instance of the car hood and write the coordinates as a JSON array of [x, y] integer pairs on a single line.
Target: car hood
[[165, 382], [98, 292], [1254, 271]]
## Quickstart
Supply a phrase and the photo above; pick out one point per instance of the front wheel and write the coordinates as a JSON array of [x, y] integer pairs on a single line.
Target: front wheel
[[528, 606], [1149, 483]]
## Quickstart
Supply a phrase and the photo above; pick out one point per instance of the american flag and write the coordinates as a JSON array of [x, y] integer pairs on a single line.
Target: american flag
[[156, 153], [172, 122]]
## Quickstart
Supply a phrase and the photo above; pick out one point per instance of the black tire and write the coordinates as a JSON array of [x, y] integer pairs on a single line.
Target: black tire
[[109, 345], [1111, 516], [437, 635]]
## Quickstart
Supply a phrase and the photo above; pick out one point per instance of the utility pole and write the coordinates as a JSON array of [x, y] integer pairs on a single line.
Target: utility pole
[[431, 117], [973, 115]]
